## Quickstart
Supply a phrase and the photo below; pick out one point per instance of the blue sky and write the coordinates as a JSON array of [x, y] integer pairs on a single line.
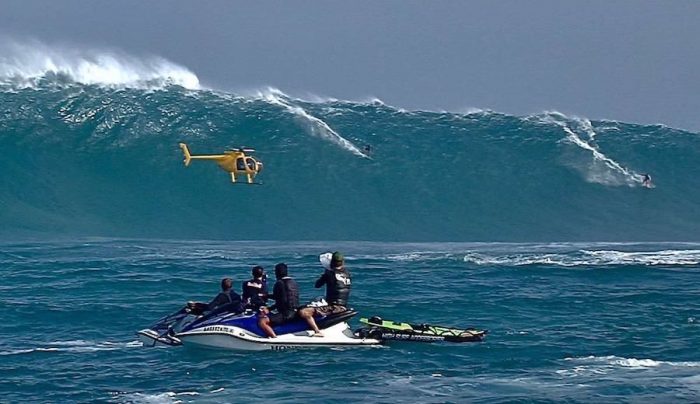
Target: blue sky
[[634, 61]]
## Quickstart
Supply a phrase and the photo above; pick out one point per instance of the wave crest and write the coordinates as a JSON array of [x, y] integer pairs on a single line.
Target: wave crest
[[315, 126], [595, 166], [29, 63]]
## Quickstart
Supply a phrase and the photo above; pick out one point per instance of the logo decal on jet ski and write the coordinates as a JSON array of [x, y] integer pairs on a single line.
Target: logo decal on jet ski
[[218, 328], [282, 347]]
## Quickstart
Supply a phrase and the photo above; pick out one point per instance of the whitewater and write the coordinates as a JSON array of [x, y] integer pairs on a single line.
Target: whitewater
[[535, 227]]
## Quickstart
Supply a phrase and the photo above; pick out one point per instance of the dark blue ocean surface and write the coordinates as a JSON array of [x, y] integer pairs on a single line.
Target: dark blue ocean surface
[[577, 322]]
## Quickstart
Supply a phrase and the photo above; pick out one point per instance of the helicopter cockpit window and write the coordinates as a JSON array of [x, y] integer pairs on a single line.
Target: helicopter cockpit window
[[240, 164], [251, 163]]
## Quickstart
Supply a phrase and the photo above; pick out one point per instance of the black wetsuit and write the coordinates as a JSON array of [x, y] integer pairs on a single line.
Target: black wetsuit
[[286, 295], [338, 284], [255, 293], [226, 298]]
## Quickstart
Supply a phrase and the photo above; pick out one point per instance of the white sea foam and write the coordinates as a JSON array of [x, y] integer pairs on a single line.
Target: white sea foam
[[612, 361], [418, 256], [75, 346], [169, 397], [314, 125], [600, 169], [25, 63], [596, 366], [588, 258], [372, 101], [665, 257], [474, 111], [406, 257]]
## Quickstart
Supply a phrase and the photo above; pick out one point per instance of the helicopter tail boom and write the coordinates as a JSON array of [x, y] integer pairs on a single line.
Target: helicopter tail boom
[[186, 152]]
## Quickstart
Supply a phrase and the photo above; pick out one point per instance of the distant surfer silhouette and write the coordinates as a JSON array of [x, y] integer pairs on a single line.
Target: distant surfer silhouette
[[367, 149], [646, 181]]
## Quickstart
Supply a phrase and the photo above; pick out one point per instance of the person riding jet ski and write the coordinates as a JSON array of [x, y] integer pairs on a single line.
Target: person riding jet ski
[[255, 290], [286, 296], [227, 299], [338, 282]]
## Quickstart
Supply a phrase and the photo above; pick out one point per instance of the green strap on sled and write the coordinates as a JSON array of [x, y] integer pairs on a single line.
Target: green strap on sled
[[422, 329], [391, 325]]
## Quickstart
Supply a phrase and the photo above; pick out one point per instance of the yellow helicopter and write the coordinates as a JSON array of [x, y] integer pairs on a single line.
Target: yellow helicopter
[[233, 161]]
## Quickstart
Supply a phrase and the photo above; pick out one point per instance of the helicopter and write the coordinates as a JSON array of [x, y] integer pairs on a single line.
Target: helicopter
[[234, 161]]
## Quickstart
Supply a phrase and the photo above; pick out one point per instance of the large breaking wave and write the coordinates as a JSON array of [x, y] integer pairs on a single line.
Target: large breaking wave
[[90, 147], [31, 63]]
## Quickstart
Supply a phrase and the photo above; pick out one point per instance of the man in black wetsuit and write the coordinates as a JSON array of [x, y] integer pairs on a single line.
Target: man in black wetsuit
[[255, 290], [286, 296], [338, 283], [227, 297]]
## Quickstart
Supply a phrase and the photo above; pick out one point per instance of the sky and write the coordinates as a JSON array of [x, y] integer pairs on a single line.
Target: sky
[[632, 61]]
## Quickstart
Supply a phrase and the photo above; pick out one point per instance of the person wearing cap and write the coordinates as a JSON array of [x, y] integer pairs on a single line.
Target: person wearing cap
[[338, 283], [227, 297], [255, 290], [286, 296]]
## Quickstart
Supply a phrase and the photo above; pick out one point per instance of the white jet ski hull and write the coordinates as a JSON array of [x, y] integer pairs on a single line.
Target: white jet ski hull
[[235, 338]]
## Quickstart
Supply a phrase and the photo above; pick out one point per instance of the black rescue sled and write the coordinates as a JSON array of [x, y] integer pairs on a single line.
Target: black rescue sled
[[392, 330]]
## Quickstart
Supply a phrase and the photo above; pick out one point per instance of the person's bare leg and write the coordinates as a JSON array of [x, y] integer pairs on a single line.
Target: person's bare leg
[[307, 314], [264, 323]]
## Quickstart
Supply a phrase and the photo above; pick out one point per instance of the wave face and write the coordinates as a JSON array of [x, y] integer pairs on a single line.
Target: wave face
[[100, 158]]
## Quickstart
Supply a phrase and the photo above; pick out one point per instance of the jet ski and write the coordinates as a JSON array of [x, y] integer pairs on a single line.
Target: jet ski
[[386, 330], [223, 329]]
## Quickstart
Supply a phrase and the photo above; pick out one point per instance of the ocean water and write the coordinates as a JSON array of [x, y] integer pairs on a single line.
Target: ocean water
[[567, 322], [91, 160], [536, 228]]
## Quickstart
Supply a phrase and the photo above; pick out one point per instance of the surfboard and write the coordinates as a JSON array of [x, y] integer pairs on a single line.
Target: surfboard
[[325, 259]]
